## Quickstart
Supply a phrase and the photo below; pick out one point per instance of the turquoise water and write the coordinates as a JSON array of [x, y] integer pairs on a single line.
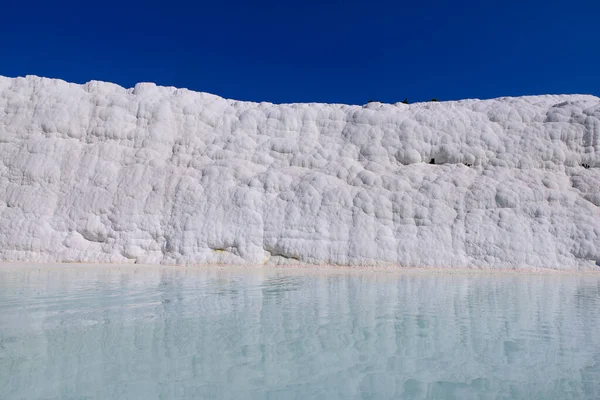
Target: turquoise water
[[135, 333]]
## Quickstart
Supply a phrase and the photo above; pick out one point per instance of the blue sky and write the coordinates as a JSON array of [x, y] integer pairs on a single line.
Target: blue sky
[[313, 51]]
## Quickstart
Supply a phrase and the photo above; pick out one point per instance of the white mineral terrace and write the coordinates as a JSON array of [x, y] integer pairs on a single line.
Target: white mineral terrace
[[99, 173]]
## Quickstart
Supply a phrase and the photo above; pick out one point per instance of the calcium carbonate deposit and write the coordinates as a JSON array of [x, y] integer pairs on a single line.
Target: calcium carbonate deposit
[[99, 173]]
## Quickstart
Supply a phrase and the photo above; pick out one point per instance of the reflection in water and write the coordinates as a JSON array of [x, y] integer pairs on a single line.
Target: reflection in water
[[218, 333]]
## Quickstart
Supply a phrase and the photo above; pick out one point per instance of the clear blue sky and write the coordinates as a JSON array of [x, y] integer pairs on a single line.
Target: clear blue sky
[[305, 51]]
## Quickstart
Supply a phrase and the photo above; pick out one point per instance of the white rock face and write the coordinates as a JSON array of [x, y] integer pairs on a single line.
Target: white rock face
[[99, 173]]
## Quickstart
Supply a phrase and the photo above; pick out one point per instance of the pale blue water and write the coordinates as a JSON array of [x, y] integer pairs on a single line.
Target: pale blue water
[[273, 334]]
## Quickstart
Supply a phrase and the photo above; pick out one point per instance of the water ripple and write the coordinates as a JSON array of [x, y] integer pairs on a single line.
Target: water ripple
[[217, 333]]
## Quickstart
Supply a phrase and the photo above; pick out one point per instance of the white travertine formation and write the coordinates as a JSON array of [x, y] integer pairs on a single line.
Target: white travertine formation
[[99, 173]]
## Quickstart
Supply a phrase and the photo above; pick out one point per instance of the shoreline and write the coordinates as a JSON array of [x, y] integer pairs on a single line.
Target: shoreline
[[302, 268]]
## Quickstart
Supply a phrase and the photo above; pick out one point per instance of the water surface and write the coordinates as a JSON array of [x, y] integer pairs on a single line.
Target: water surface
[[218, 333]]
